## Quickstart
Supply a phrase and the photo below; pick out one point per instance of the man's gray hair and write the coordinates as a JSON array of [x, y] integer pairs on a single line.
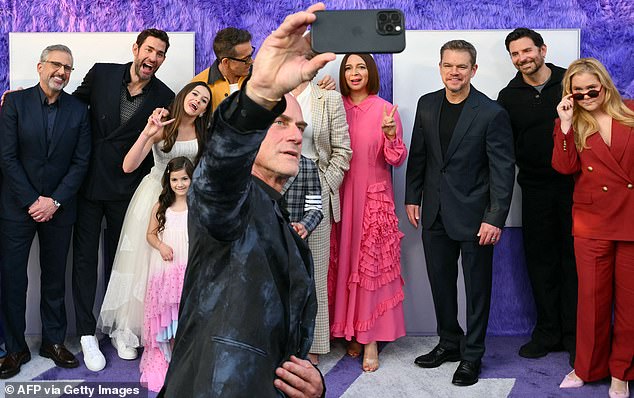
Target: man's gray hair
[[460, 45], [55, 47]]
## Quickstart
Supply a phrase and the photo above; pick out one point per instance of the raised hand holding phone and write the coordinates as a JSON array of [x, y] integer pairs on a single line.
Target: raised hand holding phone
[[358, 31]]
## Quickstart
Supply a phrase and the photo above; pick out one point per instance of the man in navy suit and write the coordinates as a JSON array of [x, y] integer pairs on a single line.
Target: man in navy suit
[[121, 97], [461, 167], [45, 135]]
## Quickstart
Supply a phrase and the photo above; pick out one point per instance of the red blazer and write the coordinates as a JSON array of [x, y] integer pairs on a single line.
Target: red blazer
[[603, 198]]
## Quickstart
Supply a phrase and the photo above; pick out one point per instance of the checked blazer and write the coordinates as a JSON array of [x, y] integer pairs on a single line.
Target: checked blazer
[[302, 195], [332, 143]]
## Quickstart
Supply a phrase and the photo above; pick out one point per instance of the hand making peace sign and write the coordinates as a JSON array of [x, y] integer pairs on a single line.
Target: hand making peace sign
[[388, 124], [154, 122]]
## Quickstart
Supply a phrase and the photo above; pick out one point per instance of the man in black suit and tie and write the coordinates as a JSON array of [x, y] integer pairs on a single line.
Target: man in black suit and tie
[[461, 167], [121, 97], [45, 135]]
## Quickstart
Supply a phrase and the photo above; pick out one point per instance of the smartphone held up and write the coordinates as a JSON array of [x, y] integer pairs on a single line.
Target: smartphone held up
[[358, 31]]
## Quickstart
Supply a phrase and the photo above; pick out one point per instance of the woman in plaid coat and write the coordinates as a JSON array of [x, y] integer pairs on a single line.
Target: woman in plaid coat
[[327, 143]]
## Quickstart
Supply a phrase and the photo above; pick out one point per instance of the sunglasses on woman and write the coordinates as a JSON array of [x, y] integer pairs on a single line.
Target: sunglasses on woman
[[590, 94]]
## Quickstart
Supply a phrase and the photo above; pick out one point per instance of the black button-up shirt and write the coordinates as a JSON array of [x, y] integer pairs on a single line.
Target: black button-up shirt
[[49, 113]]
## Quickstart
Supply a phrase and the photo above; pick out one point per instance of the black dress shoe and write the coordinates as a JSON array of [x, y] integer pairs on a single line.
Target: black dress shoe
[[533, 349], [467, 373], [12, 363], [437, 357], [59, 354]]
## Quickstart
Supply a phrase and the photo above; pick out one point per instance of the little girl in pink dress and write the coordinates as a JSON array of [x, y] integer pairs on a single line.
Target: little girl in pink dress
[[167, 234]]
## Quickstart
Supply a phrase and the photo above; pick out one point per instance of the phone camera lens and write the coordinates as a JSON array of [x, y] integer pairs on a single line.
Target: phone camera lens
[[395, 17], [389, 28], [382, 17]]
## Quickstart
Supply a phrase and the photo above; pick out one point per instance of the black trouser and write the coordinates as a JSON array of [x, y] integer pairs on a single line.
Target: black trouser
[[441, 255], [85, 254], [548, 244], [15, 244]]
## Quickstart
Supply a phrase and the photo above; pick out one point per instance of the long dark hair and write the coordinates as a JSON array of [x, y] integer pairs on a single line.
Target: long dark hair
[[177, 111], [167, 196]]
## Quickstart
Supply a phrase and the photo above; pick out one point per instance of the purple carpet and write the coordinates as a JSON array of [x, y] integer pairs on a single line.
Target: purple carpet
[[116, 370], [534, 377]]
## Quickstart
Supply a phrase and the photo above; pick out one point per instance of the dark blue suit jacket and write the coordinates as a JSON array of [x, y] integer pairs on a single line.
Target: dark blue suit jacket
[[29, 167], [473, 182]]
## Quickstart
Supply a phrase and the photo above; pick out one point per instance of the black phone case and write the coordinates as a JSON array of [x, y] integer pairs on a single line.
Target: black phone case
[[354, 31]]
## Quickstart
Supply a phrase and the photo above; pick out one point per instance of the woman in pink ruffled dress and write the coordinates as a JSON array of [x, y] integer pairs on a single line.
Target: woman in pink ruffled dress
[[167, 234], [365, 284]]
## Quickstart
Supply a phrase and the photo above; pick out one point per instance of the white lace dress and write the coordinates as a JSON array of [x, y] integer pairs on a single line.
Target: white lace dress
[[122, 309]]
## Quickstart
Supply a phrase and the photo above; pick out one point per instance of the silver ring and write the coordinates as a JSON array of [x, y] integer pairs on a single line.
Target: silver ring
[[492, 239]]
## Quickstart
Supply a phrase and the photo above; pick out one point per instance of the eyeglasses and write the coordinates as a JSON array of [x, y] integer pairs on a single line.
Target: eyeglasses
[[590, 94], [246, 60], [57, 65]]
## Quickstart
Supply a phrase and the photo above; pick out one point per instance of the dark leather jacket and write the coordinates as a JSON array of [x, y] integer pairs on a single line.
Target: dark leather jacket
[[249, 299]]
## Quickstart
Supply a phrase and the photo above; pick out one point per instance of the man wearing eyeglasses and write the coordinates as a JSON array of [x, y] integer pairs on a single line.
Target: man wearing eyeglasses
[[234, 57], [45, 135], [531, 99]]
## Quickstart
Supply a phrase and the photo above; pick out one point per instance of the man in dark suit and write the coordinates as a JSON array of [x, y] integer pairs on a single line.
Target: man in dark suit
[[121, 97], [45, 135], [461, 166]]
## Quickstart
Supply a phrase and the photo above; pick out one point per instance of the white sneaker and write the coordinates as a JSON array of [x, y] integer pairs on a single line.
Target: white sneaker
[[124, 352], [93, 358]]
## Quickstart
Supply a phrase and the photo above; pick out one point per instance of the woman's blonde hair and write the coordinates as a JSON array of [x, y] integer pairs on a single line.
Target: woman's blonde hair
[[583, 123]]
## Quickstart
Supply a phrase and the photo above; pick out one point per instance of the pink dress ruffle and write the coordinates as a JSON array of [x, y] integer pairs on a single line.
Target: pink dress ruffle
[[162, 299], [365, 286], [380, 261]]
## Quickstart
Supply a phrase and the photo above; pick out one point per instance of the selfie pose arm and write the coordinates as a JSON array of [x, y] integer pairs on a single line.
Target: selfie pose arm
[[281, 63], [221, 183]]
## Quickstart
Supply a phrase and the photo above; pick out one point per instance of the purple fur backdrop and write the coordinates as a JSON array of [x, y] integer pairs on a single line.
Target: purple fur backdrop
[[606, 25], [607, 33]]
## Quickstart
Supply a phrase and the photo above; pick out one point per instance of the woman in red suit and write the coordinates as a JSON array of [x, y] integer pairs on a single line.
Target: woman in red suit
[[594, 140]]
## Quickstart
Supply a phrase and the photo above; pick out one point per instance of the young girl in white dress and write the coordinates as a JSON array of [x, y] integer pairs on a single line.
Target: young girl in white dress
[[167, 235], [168, 134]]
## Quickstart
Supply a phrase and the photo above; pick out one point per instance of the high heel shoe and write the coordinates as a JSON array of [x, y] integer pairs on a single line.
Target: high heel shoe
[[619, 394], [571, 381]]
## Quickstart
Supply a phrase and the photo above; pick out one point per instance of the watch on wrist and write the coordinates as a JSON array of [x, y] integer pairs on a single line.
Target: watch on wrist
[[56, 203]]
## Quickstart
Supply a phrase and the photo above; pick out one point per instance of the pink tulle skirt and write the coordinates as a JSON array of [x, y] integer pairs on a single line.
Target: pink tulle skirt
[[162, 299]]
